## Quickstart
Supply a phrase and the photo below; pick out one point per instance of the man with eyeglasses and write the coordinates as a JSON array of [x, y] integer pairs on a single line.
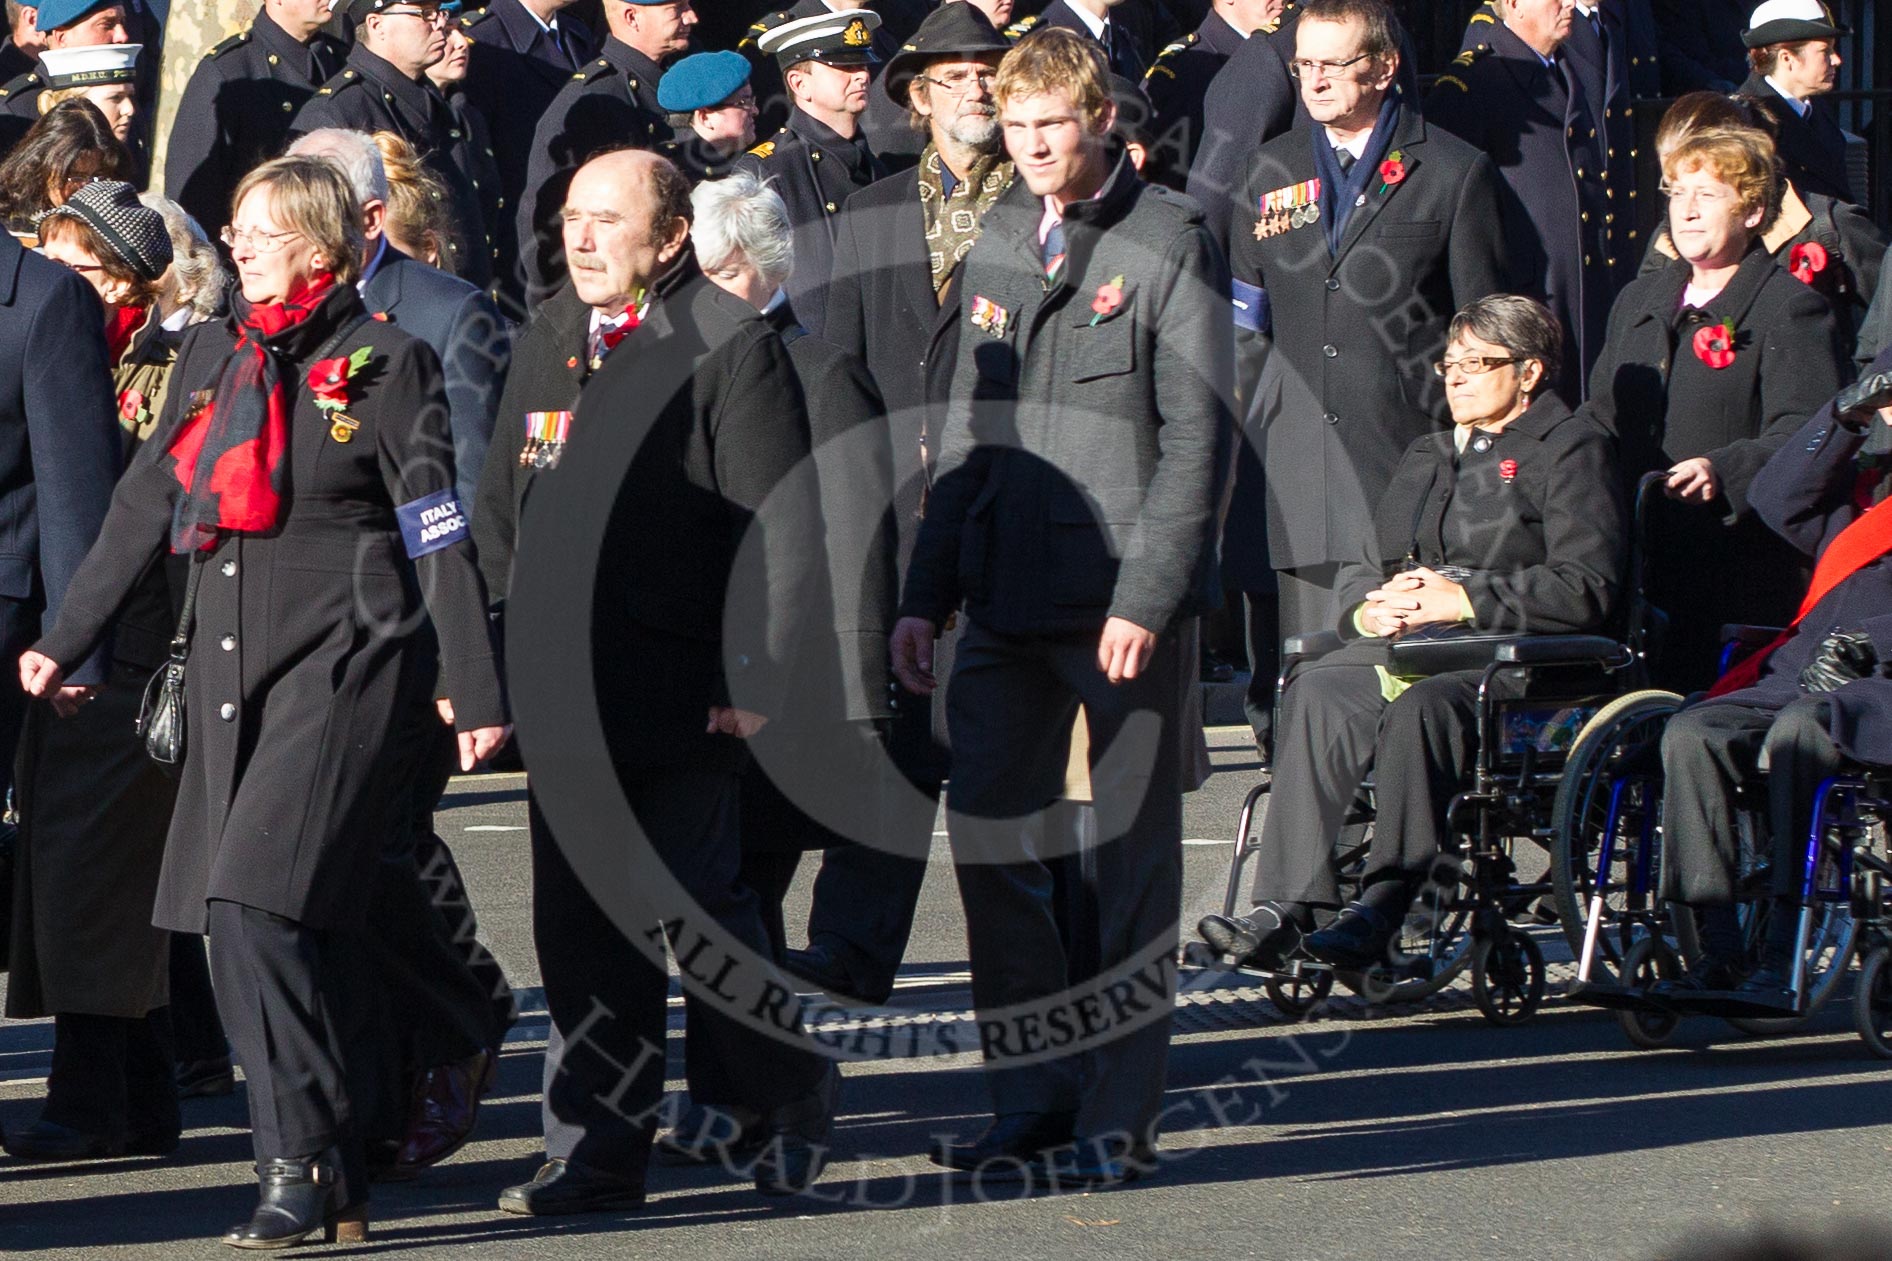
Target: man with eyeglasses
[[384, 87], [243, 96], [1520, 98], [1793, 52], [893, 303], [610, 104], [1354, 242], [65, 24], [819, 158], [712, 111]]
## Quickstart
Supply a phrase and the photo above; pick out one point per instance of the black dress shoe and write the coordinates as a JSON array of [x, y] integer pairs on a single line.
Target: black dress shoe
[[1356, 940], [1770, 991], [561, 1187], [1017, 1138], [296, 1200], [198, 1079], [1263, 941], [1089, 1163], [44, 1140], [707, 1136], [818, 966], [1712, 975], [797, 1146]]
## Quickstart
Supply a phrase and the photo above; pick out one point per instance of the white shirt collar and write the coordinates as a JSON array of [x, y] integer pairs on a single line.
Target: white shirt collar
[[1799, 107], [1095, 23], [374, 264], [1587, 11], [1357, 147], [547, 26], [600, 321]]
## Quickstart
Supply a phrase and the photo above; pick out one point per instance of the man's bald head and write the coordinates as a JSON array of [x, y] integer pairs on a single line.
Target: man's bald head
[[626, 218]]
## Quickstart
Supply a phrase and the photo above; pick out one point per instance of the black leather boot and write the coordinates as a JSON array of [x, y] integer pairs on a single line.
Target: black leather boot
[[798, 1138], [297, 1199]]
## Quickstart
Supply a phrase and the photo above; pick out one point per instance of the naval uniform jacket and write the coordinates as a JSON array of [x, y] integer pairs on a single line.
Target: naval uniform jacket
[[1177, 84], [236, 112], [1812, 149], [1805, 493], [816, 170], [1340, 382], [1714, 564], [610, 104], [1084, 453], [307, 644], [1535, 125], [1535, 512], [370, 95]]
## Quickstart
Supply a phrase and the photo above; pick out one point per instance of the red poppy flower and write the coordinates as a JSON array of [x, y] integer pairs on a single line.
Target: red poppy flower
[[328, 378], [1109, 298], [1807, 260], [1507, 469], [1714, 345], [131, 405], [1392, 171]]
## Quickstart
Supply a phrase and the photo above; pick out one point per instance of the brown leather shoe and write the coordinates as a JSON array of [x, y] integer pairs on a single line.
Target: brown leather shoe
[[446, 1106]]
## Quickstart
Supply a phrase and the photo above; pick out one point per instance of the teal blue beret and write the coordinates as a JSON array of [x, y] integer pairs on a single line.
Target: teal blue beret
[[54, 14], [702, 80]]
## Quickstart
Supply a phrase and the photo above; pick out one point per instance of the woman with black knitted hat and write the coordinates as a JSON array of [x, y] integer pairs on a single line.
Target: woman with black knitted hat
[[93, 808]]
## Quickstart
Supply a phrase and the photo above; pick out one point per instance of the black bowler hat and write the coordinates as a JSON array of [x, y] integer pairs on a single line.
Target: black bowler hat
[[956, 29]]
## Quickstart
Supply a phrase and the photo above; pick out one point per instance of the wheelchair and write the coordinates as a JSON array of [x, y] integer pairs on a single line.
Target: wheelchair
[[1609, 847], [1563, 685]]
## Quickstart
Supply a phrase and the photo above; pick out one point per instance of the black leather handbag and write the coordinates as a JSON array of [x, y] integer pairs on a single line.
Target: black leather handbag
[[161, 715]]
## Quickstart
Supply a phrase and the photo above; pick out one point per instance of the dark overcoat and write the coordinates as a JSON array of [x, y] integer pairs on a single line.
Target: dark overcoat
[[1716, 563], [1812, 149], [308, 639], [549, 368], [1085, 450], [1806, 493], [1340, 382], [1535, 125], [466, 333], [1177, 84], [370, 95], [610, 104], [1535, 512], [1701, 44], [815, 170], [236, 112]]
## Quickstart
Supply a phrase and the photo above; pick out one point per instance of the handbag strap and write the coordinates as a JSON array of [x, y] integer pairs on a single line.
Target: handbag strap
[[180, 641]]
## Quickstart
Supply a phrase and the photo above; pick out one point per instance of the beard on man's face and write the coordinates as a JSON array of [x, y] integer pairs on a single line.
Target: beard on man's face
[[976, 130]]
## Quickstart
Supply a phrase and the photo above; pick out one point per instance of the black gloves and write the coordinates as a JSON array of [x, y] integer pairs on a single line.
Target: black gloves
[[1857, 402], [1842, 656]]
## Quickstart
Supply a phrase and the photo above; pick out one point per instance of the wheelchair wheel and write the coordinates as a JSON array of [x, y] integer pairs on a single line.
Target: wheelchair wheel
[[1300, 993], [1508, 976], [1435, 945], [1648, 961], [1830, 946], [1623, 739], [1872, 1002]]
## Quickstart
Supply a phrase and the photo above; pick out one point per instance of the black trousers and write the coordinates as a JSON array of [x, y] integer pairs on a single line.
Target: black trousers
[[194, 1022], [605, 1060], [283, 989], [1709, 751], [1262, 634], [1334, 726], [113, 1075], [1010, 708]]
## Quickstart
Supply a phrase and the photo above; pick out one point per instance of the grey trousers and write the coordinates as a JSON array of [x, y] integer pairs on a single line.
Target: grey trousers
[[1010, 710], [1707, 753]]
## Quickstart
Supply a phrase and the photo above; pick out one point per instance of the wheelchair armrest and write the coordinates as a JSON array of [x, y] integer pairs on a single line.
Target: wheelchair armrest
[[1547, 650], [1316, 644], [1428, 654], [1749, 636]]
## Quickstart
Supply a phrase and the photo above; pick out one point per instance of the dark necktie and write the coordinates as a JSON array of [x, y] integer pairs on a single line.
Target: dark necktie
[[564, 49], [1346, 159], [1053, 253]]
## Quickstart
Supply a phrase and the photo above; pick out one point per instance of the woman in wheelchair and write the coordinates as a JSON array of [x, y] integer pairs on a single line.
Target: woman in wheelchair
[[1510, 523], [1788, 716]]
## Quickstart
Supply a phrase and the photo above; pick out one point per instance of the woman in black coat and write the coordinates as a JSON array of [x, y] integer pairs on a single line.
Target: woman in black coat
[[1710, 365], [1512, 523], [93, 808], [313, 522]]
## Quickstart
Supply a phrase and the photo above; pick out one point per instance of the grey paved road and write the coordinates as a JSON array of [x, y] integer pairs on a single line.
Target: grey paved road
[[1415, 1134]]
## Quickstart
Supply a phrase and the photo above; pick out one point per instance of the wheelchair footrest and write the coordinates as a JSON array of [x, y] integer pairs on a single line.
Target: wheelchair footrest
[[1735, 1005], [1613, 996]]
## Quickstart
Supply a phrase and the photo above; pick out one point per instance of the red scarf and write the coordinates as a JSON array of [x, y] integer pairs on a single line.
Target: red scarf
[[121, 325], [1867, 539], [229, 452]]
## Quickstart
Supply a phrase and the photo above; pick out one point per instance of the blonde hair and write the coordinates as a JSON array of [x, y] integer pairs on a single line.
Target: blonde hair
[[1740, 157], [313, 197], [1056, 60], [417, 200]]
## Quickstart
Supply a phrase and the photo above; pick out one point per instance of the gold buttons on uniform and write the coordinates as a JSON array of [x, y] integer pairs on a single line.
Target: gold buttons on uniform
[[273, 59], [288, 108], [831, 208]]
